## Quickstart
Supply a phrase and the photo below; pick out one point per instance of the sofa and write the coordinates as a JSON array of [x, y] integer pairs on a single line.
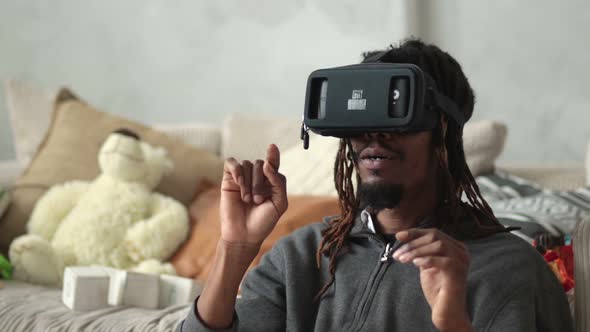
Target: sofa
[[47, 125]]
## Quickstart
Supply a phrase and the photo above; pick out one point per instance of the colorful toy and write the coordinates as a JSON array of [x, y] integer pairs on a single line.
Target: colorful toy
[[558, 253], [5, 268]]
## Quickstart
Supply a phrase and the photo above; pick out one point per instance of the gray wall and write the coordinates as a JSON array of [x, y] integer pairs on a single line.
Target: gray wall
[[162, 61], [157, 61], [529, 62]]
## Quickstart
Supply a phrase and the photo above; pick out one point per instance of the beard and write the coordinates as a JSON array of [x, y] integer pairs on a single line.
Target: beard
[[379, 196]]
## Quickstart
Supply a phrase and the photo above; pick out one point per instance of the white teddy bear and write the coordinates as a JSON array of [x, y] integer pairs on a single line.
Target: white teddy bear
[[116, 220]]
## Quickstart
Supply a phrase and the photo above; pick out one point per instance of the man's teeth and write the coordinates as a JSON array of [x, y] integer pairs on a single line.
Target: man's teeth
[[378, 158]]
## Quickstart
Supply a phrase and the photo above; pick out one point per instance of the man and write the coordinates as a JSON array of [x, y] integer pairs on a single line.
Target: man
[[406, 254]]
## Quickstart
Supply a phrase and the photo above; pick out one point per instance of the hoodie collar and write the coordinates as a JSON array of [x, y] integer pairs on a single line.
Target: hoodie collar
[[364, 224]]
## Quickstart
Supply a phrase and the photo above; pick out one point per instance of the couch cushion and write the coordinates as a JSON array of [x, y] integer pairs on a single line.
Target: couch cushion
[[200, 135], [501, 185], [9, 172], [567, 177], [588, 164], [554, 212], [311, 172], [525, 203], [29, 108], [69, 152], [26, 307], [247, 135], [194, 259], [483, 142], [4, 200]]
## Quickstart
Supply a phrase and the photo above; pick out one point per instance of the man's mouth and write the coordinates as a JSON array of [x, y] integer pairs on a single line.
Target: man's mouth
[[375, 158], [378, 153]]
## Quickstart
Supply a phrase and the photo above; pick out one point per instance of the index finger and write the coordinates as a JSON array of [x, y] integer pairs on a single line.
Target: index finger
[[273, 156]]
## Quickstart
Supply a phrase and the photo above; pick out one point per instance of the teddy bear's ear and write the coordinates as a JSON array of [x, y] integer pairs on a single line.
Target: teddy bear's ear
[[167, 164], [127, 132], [157, 156]]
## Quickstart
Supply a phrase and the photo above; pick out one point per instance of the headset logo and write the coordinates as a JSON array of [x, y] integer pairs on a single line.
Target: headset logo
[[357, 103]]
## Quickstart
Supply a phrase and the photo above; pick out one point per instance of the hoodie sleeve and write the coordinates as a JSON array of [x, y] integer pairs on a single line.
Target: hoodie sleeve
[[540, 307], [262, 304]]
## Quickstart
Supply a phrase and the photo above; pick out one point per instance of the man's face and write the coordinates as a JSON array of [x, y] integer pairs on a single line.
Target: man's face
[[393, 164]]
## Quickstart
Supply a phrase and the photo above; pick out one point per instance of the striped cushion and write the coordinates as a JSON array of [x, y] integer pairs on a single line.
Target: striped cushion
[[535, 209], [554, 212], [502, 185]]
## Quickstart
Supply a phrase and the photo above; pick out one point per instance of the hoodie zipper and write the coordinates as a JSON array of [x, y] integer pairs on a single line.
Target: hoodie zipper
[[375, 279], [390, 248], [385, 260]]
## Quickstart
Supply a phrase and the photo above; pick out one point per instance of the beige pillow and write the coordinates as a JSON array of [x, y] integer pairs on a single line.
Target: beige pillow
[[69, 151], [29, 110], [30, 107], [201, 135], [311, 172], [560, 178], [483, 141], [246, 136]]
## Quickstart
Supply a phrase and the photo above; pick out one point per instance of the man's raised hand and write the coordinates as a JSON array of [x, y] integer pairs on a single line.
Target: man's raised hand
[[253, 198]]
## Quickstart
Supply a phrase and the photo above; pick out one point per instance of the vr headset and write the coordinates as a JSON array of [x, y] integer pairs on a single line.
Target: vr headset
[[373, 97]]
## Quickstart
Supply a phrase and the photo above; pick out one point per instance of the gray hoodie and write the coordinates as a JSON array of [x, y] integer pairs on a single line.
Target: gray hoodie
[[510, 288]]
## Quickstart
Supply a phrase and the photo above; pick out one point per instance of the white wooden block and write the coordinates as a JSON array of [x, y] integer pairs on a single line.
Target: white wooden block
[[110, 271], [85, 288], [134, 289], [176, 290]]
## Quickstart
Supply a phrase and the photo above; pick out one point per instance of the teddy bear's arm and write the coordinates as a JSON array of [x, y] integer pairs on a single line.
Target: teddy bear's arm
[[54, 206], [161, 234]]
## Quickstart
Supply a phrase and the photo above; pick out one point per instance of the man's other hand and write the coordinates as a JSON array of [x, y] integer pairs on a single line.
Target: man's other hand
[[444, 264]]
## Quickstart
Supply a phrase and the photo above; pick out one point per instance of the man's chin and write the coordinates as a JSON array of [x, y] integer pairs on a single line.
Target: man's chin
[[381, 178], [378, 195]]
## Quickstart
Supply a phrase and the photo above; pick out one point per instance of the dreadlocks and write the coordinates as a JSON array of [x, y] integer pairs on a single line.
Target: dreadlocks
[[454, 177]]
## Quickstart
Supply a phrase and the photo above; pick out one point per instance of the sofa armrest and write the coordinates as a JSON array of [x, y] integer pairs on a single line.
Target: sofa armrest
[[10, 170], [581, 242]]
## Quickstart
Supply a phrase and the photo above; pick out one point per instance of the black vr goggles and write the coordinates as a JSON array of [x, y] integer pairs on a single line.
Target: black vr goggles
[[371, 98]]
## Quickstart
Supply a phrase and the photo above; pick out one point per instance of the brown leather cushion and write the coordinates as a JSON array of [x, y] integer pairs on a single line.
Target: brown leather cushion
[[195, 257]]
